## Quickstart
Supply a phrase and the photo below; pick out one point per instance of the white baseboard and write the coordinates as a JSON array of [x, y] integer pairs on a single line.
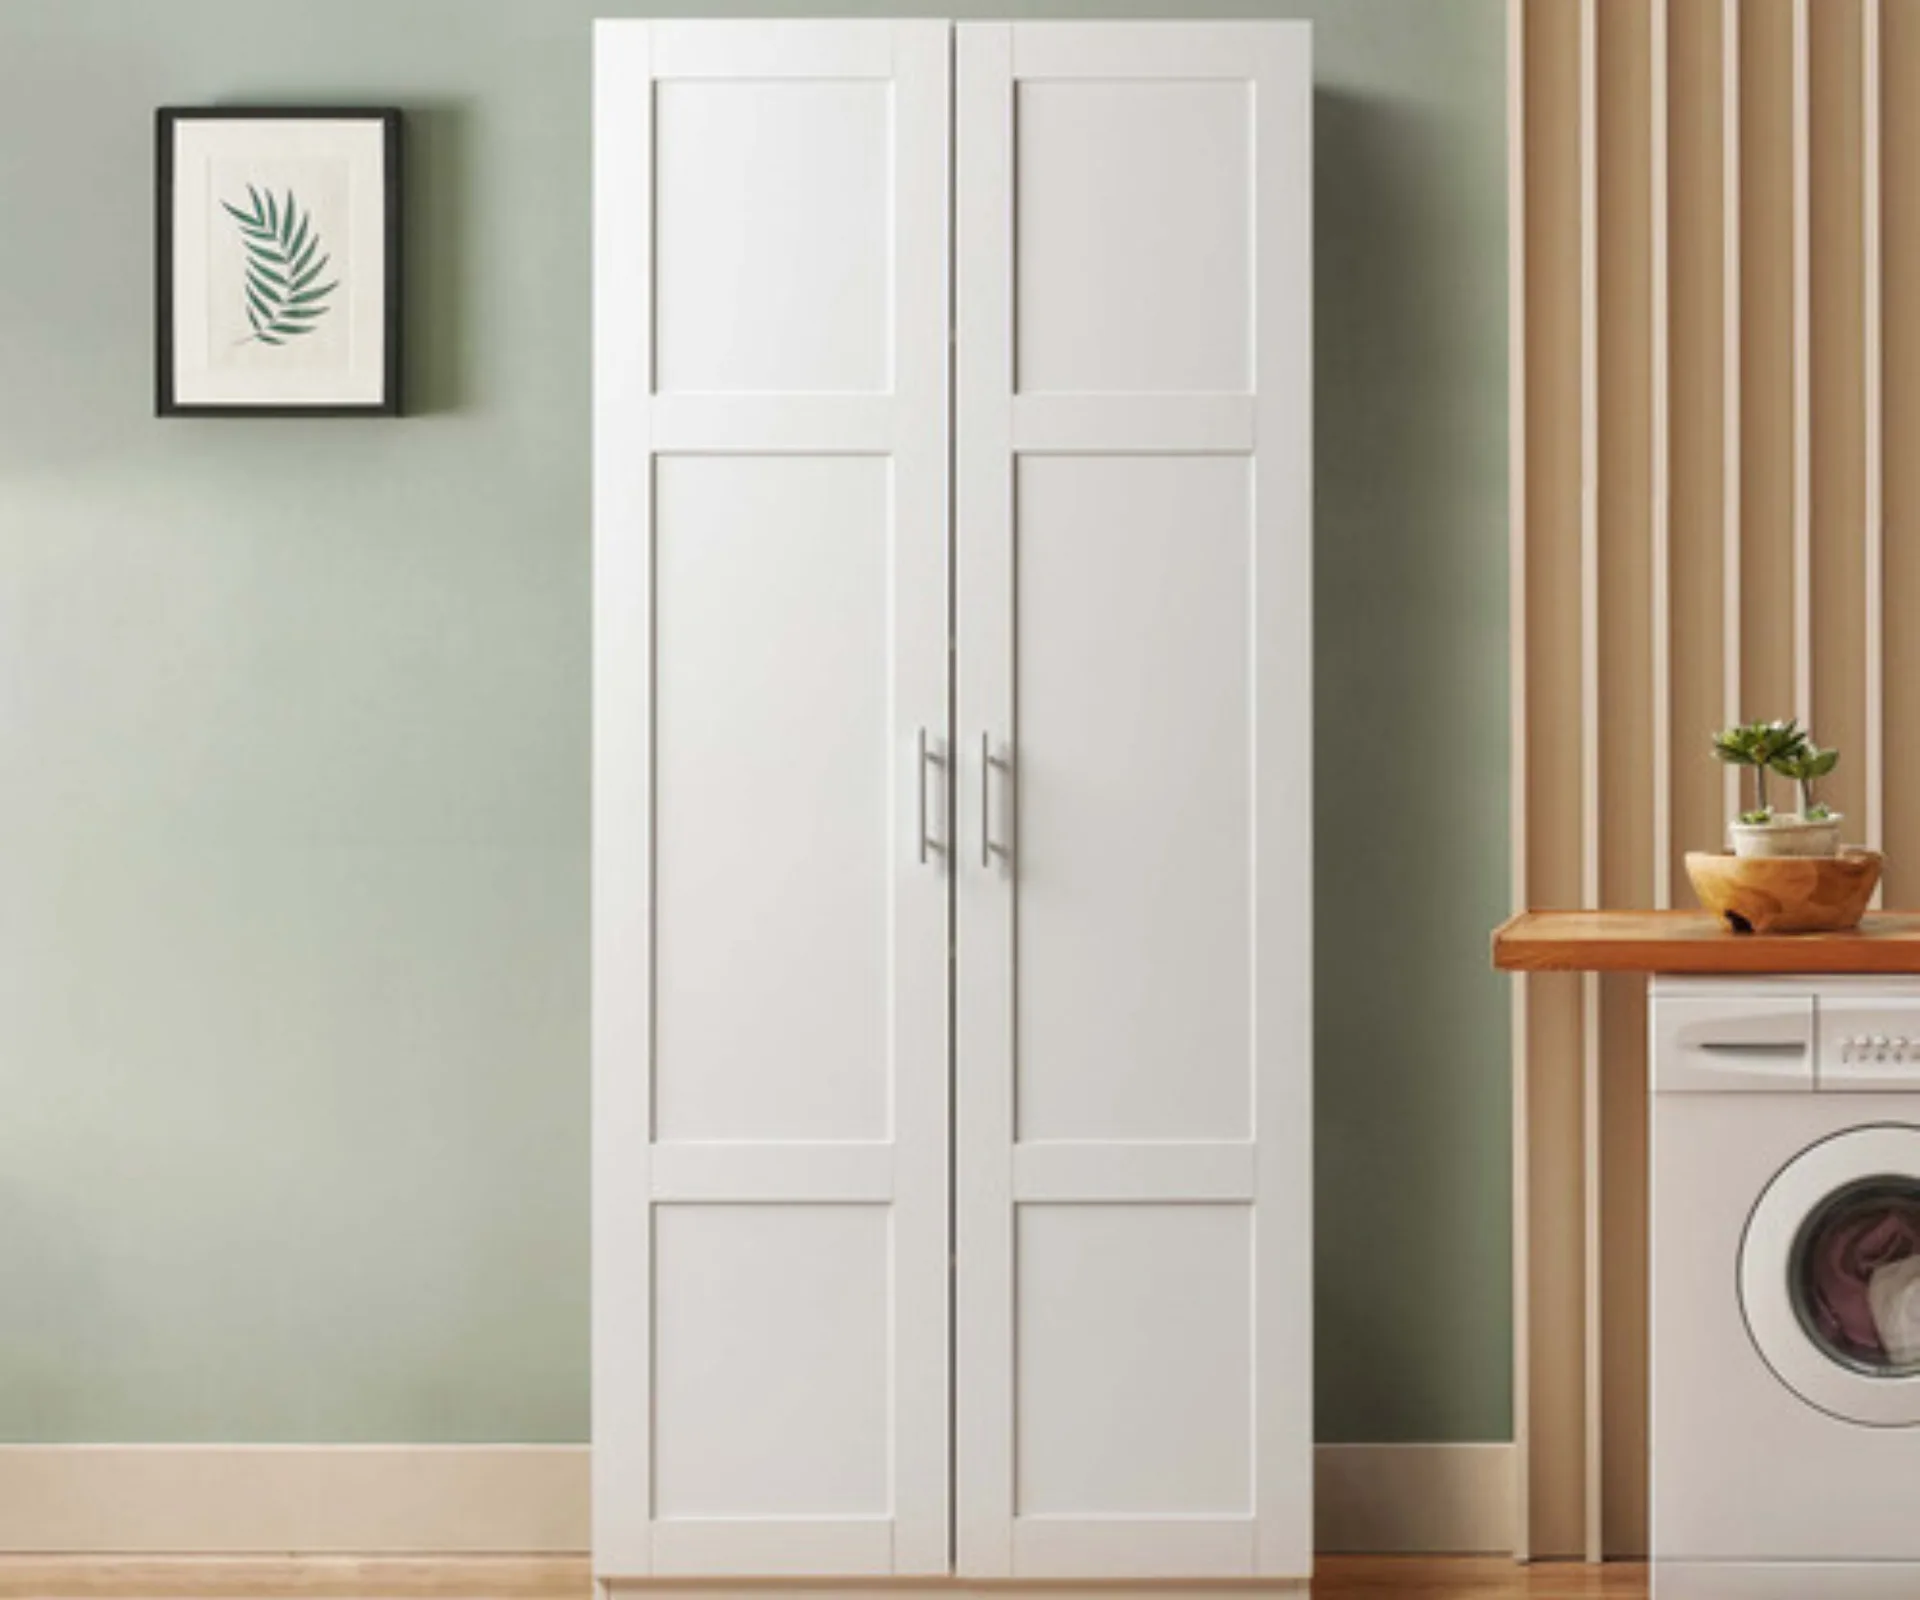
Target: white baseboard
[[1414, 1499], [306, 1499], [532, 1499]]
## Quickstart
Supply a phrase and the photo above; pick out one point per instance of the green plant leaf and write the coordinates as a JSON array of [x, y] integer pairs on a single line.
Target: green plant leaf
[[303, 276], [1735, 746], [281, 298], [1805, 762]]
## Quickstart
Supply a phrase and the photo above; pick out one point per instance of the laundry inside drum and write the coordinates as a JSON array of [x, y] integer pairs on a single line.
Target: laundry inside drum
[[1855, 1276]]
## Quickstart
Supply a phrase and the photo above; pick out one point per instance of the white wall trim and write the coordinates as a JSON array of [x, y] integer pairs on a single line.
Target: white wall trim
[[1428, 1499], [532, 1499], [305, 1499]]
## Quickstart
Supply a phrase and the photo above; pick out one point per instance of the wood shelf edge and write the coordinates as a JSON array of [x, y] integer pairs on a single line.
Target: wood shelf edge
[[1693, 942]]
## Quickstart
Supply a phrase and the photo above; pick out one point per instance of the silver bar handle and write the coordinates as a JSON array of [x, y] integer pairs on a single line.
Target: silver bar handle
[[989, 763], [925, 758]]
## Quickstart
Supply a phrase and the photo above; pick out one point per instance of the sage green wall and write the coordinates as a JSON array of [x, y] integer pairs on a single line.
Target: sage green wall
[[293, 753]]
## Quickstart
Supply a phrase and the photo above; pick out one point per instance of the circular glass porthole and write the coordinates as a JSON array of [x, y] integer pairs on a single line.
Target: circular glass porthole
[[1830, 1275], [1855, 1276]]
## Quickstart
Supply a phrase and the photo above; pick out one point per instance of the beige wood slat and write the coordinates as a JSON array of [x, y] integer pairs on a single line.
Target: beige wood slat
[[1800, 124], [1660, 440], [1551, 1369], [1872, 436], [1621, 398], [1592, 1044], [1625, 394], [1623, 1327], [1696, 267], [1733, 434], [1766, 389], [1900, 398], [1519, 749], [1835, 394]]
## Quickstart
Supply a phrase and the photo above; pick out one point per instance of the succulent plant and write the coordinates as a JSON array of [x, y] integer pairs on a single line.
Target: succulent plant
[[1804, 765], [1761, 746], [1783, 747]]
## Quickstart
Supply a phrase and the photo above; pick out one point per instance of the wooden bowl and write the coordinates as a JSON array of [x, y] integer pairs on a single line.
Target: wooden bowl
[[1785, 894]]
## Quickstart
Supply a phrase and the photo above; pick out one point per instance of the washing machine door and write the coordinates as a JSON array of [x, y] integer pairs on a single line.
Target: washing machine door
[[1830, 1275]]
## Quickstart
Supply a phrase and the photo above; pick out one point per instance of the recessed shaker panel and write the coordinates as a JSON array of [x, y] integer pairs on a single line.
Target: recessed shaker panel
[[1134, 831], [772, 832], [773, 238], [1134, 1362], [1134, 236], [771, 1361]]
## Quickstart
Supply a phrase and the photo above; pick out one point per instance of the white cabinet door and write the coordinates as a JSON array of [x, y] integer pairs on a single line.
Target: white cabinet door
[[1133, 518], [770, 1007]]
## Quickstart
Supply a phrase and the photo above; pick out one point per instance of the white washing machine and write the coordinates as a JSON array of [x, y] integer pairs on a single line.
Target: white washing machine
[[1785, 1329]]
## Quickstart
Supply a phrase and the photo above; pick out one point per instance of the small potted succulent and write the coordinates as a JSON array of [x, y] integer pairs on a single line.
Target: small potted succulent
[[1782, 748], [1787, 872]]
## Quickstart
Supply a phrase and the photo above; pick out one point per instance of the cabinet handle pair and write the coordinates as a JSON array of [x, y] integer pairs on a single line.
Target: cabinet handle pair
[[929, 756], [990, 764]]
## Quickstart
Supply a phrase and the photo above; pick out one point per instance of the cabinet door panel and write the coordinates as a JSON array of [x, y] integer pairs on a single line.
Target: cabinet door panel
[[770, 1361], [771, 937], [1163, 1291], [1133, 653], [1133, 1024], [771, 803], [1168, 249]]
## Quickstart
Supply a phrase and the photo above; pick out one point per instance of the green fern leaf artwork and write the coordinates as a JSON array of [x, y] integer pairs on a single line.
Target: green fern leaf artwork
[[283, 293]]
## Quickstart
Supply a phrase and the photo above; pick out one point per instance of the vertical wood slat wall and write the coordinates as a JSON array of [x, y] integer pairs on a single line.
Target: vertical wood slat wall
[[1715, 327]]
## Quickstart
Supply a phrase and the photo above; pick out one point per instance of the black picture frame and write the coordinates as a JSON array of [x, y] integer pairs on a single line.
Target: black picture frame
[[167, 121]]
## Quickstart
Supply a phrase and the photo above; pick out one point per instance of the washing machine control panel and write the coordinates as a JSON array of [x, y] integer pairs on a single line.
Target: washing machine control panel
[[1869, 1043], [1877, 1047]]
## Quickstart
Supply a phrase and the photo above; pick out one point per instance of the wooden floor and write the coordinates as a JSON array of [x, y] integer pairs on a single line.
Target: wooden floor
[[1348, 1578], [1425, 1578]]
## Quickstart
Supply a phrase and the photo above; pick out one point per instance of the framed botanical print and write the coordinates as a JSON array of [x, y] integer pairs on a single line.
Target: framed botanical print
[[279, 262]]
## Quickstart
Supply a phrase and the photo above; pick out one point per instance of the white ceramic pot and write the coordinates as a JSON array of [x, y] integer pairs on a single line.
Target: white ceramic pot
[[1786, 836]]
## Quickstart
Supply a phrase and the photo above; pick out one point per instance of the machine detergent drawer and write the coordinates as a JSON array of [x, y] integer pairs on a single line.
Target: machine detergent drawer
[[1740, 1041]]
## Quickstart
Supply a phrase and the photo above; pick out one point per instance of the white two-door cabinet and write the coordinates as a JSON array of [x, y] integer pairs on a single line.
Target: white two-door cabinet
[[952, 801]]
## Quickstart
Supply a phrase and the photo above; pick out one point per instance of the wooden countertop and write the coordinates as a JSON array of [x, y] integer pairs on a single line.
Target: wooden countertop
[[1696, 942]]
